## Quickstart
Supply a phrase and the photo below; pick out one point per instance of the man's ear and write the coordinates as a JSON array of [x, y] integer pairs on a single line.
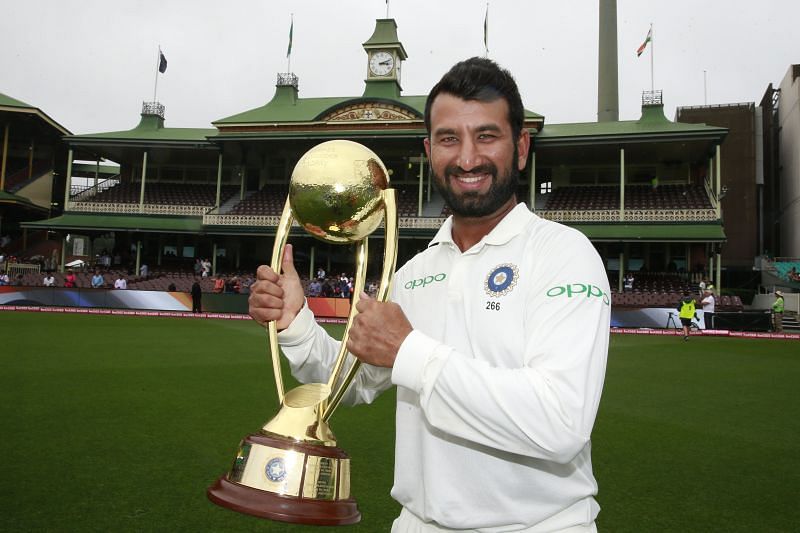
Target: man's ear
[[427, 143], [523, 147]]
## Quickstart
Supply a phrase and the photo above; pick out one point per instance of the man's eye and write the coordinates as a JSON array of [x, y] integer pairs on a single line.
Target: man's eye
[[486, 136], [447, 140]]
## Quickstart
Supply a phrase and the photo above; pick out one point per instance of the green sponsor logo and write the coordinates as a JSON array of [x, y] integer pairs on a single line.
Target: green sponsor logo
[[578, 290], [424, 282]]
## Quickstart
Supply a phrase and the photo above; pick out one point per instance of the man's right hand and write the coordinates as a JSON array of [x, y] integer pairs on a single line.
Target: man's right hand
[[277, 297]]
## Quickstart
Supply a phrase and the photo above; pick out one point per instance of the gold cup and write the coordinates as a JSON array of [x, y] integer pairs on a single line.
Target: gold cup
[[292, 470]]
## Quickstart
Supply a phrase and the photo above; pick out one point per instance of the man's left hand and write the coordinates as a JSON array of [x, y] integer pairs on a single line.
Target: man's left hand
[[378, 331]]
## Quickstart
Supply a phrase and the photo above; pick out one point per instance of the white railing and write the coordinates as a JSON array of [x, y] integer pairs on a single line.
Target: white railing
[[273, 220], [80, 194], [21, 268], [631, 215], [134, 209]]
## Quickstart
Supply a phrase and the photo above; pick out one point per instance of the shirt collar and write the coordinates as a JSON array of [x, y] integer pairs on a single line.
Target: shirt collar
[[509, 227]]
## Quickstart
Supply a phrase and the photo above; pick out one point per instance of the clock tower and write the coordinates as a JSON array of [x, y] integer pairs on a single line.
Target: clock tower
[[385, 53]]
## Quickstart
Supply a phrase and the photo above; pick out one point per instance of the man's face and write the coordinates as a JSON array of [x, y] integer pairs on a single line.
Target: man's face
[[473, 157]]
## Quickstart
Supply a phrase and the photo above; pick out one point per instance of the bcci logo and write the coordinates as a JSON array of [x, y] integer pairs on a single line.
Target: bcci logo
[[276, 470], [501, 280]]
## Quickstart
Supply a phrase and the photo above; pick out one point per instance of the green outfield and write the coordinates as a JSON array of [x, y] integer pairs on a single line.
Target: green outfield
[[117, 423]]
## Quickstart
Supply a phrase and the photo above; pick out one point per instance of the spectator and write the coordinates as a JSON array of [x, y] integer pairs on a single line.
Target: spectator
[[320, 273], [777, 312], [3, 277], [628, 286], [197, 295], [49, 280], [171, 287], [97, 279], [69, 279], [794, 275], [708, 304], [314, 288], [198, 267], [121, 283], [144, 270], [206, 268]]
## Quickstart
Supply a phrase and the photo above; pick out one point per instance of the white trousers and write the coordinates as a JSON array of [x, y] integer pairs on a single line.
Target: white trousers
[[408, 522]]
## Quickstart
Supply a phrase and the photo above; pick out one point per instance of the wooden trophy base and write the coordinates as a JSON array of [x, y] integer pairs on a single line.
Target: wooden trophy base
[[315, 502]]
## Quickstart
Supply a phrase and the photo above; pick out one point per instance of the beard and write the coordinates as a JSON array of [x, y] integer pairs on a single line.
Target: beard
[[474, 204]]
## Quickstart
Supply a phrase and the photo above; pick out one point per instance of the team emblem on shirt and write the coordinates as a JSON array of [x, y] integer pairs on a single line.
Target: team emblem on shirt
[[501, 280], [276, 470]]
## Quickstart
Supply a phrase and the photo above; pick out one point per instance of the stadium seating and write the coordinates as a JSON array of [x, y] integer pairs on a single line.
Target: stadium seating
[[597, 197], [158, 193]]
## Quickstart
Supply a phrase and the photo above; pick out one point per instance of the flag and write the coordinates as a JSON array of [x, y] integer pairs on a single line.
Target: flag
[[644, 44], [162, 62], [291, 30], [486, 29]]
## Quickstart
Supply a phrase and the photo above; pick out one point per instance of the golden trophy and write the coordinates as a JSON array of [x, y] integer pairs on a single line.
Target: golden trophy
[[292, 470]]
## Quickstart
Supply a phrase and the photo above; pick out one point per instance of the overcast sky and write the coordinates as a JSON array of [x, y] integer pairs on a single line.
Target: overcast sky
[[89, 64]]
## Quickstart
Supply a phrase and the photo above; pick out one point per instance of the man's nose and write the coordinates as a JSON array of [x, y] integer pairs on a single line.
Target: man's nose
[[469, 156]]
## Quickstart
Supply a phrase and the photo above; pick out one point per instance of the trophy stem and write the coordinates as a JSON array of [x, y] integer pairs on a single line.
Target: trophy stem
[[384, 289], [358, 287], [281, 236]]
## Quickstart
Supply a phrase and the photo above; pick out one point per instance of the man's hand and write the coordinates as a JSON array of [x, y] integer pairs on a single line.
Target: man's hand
[[274, 297], [378, 331]]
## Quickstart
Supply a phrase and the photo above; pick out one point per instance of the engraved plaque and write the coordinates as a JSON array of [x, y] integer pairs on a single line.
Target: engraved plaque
[[321, 476]]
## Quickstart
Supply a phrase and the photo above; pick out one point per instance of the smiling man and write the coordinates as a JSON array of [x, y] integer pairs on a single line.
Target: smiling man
[[496, 336]]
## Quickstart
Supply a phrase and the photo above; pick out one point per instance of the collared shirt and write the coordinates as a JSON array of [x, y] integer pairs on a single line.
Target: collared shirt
[[498, 384]]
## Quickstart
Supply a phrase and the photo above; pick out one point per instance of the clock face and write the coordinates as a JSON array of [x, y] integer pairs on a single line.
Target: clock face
[[381, 63]]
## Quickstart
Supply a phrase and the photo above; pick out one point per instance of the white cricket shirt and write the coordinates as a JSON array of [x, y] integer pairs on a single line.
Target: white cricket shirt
[[500, 381]]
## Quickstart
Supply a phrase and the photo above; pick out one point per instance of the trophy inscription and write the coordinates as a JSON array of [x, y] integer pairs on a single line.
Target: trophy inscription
[[292, 470]]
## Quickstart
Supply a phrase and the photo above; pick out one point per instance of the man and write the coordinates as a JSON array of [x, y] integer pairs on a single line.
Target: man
[[97, 279], [708, 304], [686, 312], [121, 283], [197, 297], [777, 312], [499, 359], [49, 280]]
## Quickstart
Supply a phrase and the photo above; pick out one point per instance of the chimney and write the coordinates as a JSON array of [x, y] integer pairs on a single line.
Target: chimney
[[607, 71]]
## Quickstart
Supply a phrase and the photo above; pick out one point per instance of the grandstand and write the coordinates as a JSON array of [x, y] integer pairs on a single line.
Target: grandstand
[[648, 192]]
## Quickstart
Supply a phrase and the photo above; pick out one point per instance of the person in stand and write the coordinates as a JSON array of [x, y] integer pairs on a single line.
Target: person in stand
[[708, 302], [777, 312], [197, 296], [49, 280], [97, 279], [70, 279], [499, 359], [121, 282], [686, 312], [4, 279]]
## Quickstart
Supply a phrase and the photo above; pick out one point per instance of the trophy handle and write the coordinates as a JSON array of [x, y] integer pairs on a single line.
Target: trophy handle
[[281, 236], [389, 265]]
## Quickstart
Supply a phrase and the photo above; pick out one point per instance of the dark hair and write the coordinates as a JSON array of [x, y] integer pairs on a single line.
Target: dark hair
[[481, 79]]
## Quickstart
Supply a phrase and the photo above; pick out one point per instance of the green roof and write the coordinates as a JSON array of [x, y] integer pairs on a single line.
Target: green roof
[[150, 128], [15, 199], [111, 222], [7, 101], [17, 106], [286, 107], [652, 122], [676, 232], [385, 36]]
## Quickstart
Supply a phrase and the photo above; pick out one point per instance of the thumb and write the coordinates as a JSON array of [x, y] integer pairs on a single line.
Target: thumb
[[287, 265]]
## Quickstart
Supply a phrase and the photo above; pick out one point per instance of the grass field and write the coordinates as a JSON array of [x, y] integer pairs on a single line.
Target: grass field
[[120, 423]]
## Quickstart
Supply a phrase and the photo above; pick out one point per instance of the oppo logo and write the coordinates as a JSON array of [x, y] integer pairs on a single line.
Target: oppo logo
[[422, 282], [578, 289]]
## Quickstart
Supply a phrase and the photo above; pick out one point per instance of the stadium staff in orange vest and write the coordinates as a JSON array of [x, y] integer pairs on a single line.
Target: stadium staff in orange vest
[[496, 336]]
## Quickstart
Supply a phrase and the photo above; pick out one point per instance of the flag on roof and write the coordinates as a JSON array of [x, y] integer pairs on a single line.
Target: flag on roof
[[291, 30], [162, 62], [644, 44], [486, 29]]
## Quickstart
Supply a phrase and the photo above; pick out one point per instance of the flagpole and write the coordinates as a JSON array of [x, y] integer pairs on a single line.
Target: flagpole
[[158, 62], [486, 32], [652, 53], [289, 53], [387, 9]]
